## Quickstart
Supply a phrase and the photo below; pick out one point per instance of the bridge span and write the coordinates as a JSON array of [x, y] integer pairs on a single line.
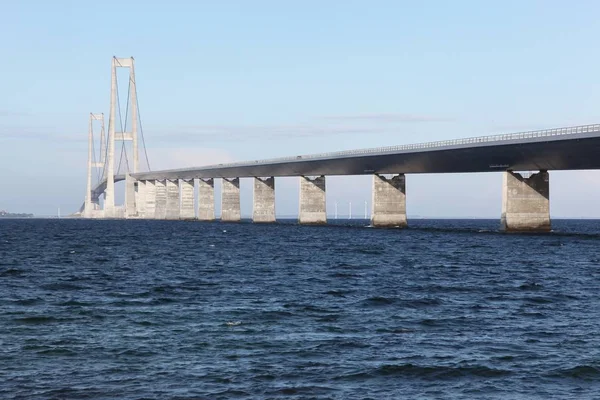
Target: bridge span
[[171, 194], [188, 193]]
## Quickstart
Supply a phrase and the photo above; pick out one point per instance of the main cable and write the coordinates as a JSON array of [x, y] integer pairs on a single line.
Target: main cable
[[141, 129]]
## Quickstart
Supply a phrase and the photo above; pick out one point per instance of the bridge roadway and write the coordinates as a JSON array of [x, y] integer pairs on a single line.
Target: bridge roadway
[[572, 148]]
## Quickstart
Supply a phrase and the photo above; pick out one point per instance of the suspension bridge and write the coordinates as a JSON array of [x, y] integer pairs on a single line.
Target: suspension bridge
[[188, 193]]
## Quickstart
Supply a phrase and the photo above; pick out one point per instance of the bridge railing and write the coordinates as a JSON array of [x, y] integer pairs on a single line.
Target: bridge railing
[[427, 145]]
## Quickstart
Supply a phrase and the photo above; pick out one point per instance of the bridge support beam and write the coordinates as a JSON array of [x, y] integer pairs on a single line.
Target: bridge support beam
[[161, 200], [230, 200], [264, 200], [140, 198], [312, 201], [187, 200], [389, 201], [173, 205], [526, 202], [206, 199]]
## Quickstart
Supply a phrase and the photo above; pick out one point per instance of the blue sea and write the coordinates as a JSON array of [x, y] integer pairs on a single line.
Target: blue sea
[[446, 309]]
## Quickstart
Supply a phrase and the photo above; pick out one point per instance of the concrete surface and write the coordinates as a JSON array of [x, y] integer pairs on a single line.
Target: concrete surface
[[161, 200], [206, 199], [312, 201], [264, 200], [150, 207], [187, 200], [173, 205], [230, 200], [526, 202], [389, 201]]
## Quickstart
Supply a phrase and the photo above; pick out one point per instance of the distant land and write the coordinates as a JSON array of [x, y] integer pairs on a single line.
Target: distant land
[[6, 214]]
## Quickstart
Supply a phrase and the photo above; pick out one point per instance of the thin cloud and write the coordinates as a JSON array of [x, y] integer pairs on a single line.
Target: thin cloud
[[223, 133], [37, 134], [10, 113], [388, 118]]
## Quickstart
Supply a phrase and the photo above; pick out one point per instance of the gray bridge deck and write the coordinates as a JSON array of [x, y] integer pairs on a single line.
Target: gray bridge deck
[[572, 148]]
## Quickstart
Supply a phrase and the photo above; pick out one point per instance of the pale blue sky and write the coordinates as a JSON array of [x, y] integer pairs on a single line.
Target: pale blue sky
[[238, 80]]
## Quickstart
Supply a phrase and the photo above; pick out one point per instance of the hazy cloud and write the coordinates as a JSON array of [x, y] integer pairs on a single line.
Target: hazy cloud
[[223, 133], [388, 118], [37, 134], [186, 157], [11, 113]]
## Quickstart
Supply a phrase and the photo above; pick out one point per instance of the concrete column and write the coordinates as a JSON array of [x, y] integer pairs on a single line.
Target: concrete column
[[389, 201], [150, 206], [264, 200], [161, 200], [206, 199], [526, 202], [140, 198], [312, 200], [187, 200], [172, 199], [130, 210], [230, 200]]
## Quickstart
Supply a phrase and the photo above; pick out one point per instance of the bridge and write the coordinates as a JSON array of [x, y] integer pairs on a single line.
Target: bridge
[[173, 194]]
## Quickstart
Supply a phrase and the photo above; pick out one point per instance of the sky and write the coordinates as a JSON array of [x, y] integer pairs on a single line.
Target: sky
[[222, 81]]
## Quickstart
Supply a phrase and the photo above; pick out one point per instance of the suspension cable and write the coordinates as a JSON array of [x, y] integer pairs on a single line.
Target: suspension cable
[[123, 151], [93, 153], [141, 129]]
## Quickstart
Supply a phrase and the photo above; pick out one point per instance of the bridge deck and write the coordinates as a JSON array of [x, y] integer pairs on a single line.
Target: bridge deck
[[572, 148]]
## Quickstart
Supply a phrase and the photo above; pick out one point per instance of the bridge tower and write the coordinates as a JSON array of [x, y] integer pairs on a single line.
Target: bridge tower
[[115, 135], [92, 204]]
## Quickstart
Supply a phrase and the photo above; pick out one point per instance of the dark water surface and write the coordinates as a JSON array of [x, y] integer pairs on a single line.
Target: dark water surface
[[181, 310]]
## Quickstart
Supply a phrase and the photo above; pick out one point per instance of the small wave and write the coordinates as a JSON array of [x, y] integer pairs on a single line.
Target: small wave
[[344, 275], [378, 301], [531, 286], [61, 286], [586, 372], [430, 372], [74, 303], [26, 302], [12, 272], [429, 322], [57, 351], [422, 303], [37, 320], [137, 353], [336, 293], [371, 251], [394, 331], [539, 300]]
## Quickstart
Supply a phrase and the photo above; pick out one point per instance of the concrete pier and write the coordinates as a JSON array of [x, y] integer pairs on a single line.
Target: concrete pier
[[526, 202], [161, 200], [140, 198], [264, 200], [389, 201], [187, 200], [173, 205], [230, 200], [150, 206], [312, 201], [206, 199], [130, 210]]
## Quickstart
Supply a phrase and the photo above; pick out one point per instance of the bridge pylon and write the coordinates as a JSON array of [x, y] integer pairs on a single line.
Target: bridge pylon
[[92, 203], [121, 135]]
